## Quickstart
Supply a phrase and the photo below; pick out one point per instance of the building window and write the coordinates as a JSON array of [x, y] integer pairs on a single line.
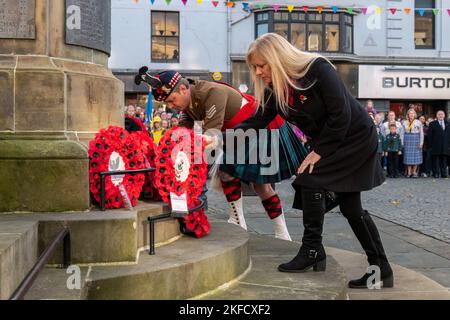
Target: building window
[[165, 37], [323, 32], [424, 25]]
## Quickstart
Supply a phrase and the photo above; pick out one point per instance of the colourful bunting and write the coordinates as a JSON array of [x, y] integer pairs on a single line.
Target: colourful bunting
[[152, 1], [290, 7], [421, 12], [408, 11], [184, 1], [378, 10], [305, 9], [261, 6], [245, 6], [230, 4], [215, 3], [276, 7], [448, 11], [435, 11], [393, 10], [319, 9], [199, 2], [350, 10], [364, 11], [335, 9], [168, 2]]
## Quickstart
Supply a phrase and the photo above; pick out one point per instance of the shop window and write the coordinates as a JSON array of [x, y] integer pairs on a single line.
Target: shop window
[[323, 32], [424, 25], [165, 37]]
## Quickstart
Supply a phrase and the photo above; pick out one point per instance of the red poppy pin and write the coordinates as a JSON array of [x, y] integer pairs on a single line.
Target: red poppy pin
[[303, 98]]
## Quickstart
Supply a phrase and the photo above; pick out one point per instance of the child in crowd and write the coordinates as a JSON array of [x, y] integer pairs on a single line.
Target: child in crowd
[[392, 149]]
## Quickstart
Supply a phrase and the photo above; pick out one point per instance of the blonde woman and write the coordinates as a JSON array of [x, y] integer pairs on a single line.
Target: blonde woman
[[413, 138], [305, 89]]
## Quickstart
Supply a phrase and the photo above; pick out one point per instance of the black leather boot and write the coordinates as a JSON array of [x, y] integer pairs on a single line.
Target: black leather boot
[[369, 238], [311, 254]]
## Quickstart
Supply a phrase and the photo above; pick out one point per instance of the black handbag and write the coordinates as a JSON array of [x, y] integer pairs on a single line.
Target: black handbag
[[331, 200]]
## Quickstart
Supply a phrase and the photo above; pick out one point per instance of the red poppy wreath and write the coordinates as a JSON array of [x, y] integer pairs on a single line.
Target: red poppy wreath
[[114, 149], [180, 169]]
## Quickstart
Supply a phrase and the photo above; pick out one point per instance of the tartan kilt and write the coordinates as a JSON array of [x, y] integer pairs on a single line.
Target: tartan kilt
[[283, 165], [412, 153]]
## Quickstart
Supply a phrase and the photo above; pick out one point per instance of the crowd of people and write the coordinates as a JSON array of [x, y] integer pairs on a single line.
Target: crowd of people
[[413, 147], [157, 124]]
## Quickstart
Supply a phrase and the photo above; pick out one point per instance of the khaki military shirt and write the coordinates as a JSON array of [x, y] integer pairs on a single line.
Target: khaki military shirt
[[213, 103]]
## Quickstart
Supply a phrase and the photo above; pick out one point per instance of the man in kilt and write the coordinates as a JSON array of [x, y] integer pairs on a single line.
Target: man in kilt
[[222, 107]]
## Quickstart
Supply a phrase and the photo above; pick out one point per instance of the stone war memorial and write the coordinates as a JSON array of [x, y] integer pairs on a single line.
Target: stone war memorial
[[94, 207]]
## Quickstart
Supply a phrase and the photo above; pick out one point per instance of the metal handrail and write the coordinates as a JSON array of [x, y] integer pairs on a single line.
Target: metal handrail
[[113, 173], [28, 281], [153, 219]]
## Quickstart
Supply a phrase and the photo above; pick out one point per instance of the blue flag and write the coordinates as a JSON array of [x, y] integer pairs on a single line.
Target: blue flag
[[149, 110]]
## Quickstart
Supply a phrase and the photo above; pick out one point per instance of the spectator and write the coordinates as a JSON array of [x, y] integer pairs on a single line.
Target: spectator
[[165, 124], [174, 122], [138, 112], [413, 143], [164, 116], [425, 167], [392, 149], [380, 147], [157, 130], [370, 107], [142, 116], [131, 111], [390, 120], [378, 119], [439, 140]]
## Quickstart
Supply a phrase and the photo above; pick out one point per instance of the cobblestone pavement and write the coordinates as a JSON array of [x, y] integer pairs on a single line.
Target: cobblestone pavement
[[420, 204]]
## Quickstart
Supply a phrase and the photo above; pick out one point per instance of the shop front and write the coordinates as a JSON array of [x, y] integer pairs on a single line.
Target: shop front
[[398, 88]]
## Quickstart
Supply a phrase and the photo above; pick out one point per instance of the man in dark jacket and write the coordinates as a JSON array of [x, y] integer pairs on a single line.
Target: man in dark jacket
[[439, 140]]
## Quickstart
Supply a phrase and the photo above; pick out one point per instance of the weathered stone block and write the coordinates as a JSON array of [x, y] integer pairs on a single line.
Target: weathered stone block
[[39, 101], [6, 101], [43, 176]]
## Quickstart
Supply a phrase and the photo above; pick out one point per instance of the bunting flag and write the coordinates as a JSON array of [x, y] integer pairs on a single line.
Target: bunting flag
[[230, 4], [320, 9]]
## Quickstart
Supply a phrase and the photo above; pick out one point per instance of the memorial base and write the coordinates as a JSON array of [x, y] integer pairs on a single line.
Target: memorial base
[[43, 174]]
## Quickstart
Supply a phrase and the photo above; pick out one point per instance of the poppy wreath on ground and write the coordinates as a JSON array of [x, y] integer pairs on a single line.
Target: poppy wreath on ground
[[149, 191], [114, 149], [180, 169]]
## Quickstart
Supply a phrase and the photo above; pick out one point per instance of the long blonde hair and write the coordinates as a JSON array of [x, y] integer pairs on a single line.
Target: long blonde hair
[[287, 63]]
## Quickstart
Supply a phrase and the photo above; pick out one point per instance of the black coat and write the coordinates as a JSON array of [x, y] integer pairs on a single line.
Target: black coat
[[438, 139], [338, 128]]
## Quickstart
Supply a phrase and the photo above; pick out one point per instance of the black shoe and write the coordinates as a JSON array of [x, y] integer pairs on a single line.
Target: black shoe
[[367, 282], [305, 260]]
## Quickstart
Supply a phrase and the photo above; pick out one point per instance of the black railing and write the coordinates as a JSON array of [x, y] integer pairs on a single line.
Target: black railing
[[113, 173], [173, 214], [27, 282]]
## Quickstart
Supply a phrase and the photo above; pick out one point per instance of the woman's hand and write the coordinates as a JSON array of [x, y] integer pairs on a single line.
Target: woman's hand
[[309, 161]]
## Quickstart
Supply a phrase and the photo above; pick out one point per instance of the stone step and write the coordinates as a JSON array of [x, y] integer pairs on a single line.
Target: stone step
[[264, 282], [112, 236], [183, 269], [18, 254], [409, 284]]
